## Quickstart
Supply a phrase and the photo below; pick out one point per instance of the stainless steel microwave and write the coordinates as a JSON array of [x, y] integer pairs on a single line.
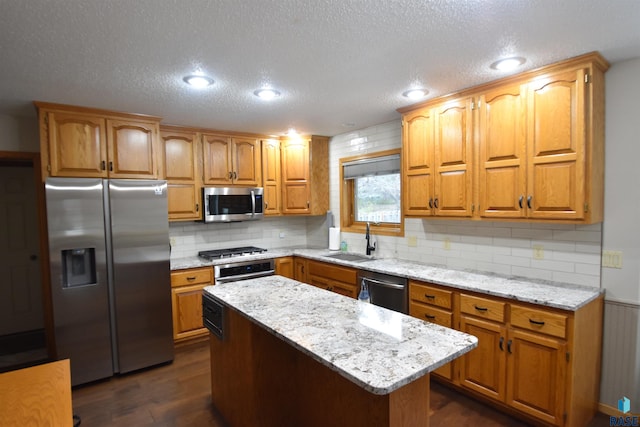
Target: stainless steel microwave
[[227, 204]]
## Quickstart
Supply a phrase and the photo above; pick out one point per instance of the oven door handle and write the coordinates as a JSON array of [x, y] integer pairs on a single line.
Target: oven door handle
[[244, 276], [385, 284]]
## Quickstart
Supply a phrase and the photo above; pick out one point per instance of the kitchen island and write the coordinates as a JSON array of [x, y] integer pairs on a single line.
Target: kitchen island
[[292, 355]]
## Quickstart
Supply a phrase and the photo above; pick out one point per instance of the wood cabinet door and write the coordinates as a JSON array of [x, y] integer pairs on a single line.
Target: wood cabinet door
[[187, 311], [245, 158], [502, 155], [453, 158], [181, 172], [285, 267], [271, 176], [132, 149], [216, 153], [556, 141], [296, 195], [537, 368], [77, 145], [483, 369], [418, 162], [300, 269]]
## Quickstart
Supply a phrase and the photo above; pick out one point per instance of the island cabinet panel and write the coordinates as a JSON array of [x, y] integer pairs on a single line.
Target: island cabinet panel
[[258, 379], [89, 143], [539, 154], [338, 279], [182, 172], [540, 361], [186, 291]]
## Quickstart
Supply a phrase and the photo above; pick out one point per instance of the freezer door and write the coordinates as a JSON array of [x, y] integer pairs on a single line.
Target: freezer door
[[79, 276], [141, 273]]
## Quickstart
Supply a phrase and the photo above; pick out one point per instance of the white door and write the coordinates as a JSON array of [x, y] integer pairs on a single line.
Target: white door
[[20, 284]]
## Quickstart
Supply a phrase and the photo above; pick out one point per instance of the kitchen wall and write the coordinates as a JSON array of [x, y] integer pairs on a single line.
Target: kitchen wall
[[571, 252], [19, 134]]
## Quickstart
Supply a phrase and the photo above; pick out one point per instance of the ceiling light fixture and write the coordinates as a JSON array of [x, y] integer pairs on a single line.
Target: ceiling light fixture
[[415, 93], [292, 132], [199, 81], [266, 93], [508, 64]]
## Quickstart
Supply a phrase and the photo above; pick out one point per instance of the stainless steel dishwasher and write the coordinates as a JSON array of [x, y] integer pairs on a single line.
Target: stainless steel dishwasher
[[386, 290]]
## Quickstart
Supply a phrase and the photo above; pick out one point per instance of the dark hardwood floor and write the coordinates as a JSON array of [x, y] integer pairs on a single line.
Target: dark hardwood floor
[[178, 394]]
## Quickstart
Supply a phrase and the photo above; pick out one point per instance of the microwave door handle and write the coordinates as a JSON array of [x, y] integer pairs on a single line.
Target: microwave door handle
[[253, 203]]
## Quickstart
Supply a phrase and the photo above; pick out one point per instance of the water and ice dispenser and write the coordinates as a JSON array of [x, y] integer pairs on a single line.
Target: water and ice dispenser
[[78, 267]]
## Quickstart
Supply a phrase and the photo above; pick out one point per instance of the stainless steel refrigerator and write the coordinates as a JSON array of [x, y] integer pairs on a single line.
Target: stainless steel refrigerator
[[110, 274]]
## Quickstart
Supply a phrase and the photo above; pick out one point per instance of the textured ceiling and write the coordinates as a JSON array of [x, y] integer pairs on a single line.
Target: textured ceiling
[[339, 64]]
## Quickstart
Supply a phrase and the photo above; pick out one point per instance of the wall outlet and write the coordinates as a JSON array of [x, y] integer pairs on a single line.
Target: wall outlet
[[612, 259], [446, 244], [412, 241], [281, 235], [172, 241], [538, 252]]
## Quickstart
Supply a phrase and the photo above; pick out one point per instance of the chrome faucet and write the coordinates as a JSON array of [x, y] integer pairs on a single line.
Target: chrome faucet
[[367, 236]]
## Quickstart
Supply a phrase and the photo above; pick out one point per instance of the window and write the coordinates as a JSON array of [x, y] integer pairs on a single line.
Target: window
[[370, 192]]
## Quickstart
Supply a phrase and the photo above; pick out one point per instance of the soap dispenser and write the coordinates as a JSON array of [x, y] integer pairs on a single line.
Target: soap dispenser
[[364, 292]]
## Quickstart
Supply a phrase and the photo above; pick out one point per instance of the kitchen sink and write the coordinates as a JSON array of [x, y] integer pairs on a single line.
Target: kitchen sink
[[349, 257]]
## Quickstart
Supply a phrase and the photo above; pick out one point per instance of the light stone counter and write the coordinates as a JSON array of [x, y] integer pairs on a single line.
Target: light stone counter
[[558, 295], [378, 349]]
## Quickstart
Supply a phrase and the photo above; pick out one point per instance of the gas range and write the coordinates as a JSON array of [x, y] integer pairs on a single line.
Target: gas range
[[236, 268], [230, 252]]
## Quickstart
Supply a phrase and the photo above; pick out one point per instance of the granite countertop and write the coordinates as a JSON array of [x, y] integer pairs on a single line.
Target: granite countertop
[[378, 349], [563, 296]]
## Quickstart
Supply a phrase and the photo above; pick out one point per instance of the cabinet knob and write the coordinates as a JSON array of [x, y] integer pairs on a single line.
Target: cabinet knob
[[430, 203], [308, 204], [103, 165], [535, 322], [520, 200], [529, 201], [483, 309], [435, 202], [110, 166], [197, 207], [501, 343], [509, 347]]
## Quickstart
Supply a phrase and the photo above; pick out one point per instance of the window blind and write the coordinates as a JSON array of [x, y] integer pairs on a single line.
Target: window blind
[[383, 165]]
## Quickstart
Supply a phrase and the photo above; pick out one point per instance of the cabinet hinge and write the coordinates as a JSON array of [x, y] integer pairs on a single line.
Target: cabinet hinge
[[473, 105], [586, 207], [402, 123], [48, 168], [473, 208], [587, 78], [568, 356]]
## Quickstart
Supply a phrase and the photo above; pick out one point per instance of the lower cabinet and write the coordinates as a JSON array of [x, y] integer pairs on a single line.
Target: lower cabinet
[[186, 302], [285, 267], [335, 278], [539, 361]]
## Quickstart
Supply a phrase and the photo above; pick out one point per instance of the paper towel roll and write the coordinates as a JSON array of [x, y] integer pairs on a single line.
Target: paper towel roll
[[334, 238]]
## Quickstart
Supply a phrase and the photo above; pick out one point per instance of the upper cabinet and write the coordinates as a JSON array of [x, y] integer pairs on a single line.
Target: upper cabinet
[[271, 176], [438, 160], [305, 175], [231, 160], [538, 141], [83, 142], [182, 172]]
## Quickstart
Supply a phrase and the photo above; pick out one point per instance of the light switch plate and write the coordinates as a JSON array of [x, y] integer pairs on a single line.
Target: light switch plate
[[446, 244], [612, 259], [412, 241], [538, 252]]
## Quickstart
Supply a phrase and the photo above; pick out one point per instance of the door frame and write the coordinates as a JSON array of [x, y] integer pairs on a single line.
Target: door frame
[[20, 158]]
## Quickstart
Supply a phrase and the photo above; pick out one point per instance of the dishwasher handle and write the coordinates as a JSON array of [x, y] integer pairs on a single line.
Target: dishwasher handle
[[385, 284]]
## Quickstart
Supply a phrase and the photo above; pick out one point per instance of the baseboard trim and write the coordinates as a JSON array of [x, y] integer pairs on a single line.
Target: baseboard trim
[[613, 412]]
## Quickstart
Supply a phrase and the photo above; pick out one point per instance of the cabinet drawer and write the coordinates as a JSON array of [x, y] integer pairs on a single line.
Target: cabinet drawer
[[431, 314], [482, 307], [539, 320], [429, 295], [330, 271], [191, 276]]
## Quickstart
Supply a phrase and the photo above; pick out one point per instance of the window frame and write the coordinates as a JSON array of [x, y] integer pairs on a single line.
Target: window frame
[[347, 201]]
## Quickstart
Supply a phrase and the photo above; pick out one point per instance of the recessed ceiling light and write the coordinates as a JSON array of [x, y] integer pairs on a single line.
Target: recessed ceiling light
[[266, 93], [198, 81], [508, 64], [415, 93], [292, 132]]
